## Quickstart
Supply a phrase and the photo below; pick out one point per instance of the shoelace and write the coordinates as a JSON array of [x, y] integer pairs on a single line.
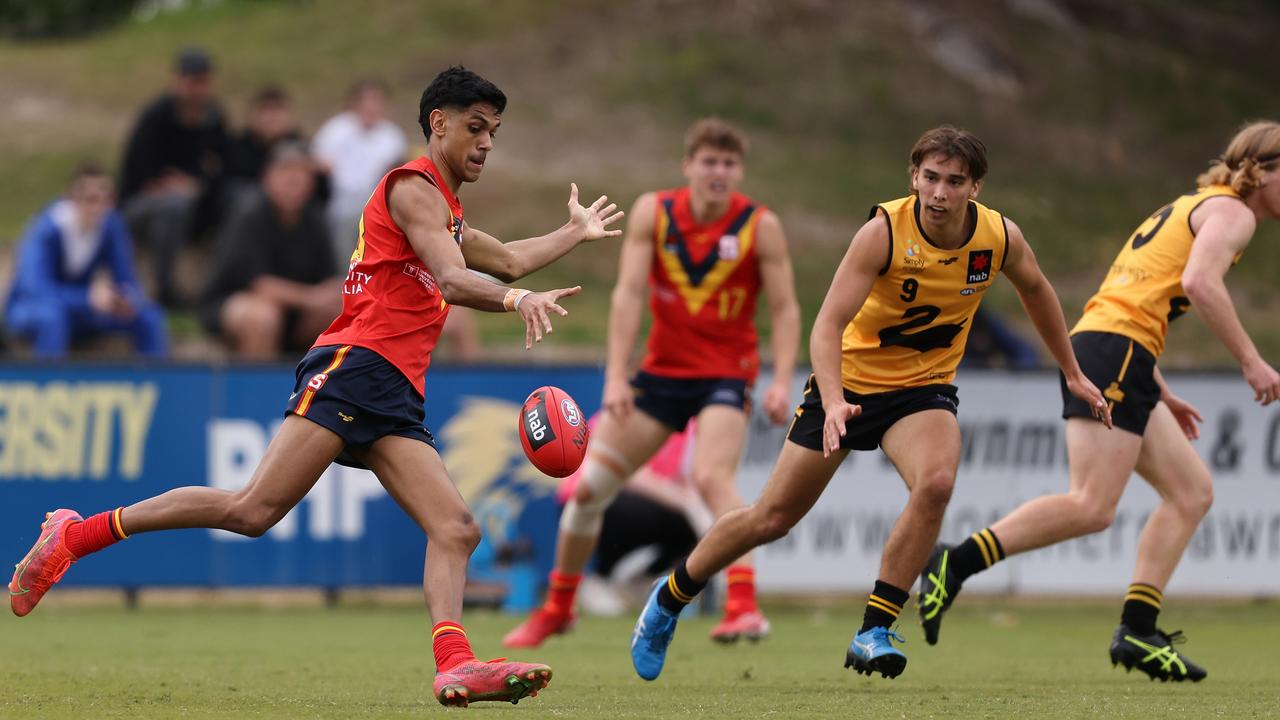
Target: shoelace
[[892, 634], [1174, 638]]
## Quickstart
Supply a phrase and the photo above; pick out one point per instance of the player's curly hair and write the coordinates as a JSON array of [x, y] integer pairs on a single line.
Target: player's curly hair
[[949, 142], [1254, 151], [457, 87]]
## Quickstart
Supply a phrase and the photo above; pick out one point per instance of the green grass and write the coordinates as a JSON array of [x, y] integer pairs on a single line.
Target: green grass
[[998, 660]]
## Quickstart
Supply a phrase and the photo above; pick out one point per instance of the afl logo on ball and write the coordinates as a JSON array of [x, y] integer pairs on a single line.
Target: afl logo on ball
[[570, 412]]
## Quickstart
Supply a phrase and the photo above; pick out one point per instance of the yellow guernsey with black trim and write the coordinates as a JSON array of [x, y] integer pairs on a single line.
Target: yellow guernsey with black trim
[[912, 328], [1142, 292]]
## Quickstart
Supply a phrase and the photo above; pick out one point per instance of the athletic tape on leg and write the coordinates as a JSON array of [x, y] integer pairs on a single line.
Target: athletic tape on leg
[[605, 473]]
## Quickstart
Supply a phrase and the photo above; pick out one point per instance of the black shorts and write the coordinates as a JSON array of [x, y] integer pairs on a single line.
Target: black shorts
[[879, 412], [1123, 370], [359, 395], [673, 401]]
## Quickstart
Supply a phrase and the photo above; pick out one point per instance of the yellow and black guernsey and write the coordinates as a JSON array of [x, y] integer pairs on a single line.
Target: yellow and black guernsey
[[1142, 292], [912, 328]]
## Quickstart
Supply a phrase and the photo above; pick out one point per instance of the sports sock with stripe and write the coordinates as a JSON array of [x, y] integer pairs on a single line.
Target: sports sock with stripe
[[1141, 608], [977, 553], [95, 533], [450, 645], [562, 588], [679, 589], [884, 606], [742, 590]]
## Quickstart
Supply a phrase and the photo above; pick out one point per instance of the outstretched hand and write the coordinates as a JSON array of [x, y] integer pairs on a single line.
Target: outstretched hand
[[594, 221], [536, 308]]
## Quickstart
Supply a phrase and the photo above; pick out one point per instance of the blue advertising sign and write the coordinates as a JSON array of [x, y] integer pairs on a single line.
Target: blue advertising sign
[[92, 438]]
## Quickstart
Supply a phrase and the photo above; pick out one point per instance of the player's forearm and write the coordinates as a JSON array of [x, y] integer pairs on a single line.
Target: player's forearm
[[1042, 306], [533, 254], [463, 288], [1213, 303], [825, 352], [1164, 387], [784, 323], [625, 310]]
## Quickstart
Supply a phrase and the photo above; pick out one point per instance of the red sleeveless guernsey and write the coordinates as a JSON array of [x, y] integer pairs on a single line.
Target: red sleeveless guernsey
[[390, 303], [702, 291]]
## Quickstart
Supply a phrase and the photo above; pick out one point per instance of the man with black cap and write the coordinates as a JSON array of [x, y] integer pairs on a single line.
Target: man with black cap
[[170, 187]]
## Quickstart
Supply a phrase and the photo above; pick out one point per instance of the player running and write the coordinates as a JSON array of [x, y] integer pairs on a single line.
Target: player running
[[358, 398], [885, 347], [1176, 258], [705, 251]]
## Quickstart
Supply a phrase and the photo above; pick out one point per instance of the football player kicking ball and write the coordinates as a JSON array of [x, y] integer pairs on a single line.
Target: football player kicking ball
[[885, 347], [358, 398], [1176, 258], [705, 251]]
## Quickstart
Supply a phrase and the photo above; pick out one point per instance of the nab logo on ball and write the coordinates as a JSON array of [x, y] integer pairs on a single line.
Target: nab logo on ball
[[552, 432], [536, 428]]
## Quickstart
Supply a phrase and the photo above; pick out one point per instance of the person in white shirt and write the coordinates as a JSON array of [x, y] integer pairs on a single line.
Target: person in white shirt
[[356, 147]]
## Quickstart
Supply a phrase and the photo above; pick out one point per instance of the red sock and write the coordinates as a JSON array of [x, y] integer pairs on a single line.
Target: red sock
[[95, 533], [449, 643], [742, 590], [562, 588]]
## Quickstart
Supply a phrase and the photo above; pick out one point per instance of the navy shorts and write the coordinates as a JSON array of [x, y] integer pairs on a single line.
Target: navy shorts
[[674, 401], [360, 396], [879, 412], [1123, 370]]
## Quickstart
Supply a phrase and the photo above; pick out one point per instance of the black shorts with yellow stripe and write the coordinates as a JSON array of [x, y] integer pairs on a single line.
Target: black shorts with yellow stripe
[[879, 412], [1123, 370], [358, 395]]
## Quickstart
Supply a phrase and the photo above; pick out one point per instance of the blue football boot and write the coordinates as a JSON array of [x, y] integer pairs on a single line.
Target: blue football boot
[[873, 651], [653, 633]]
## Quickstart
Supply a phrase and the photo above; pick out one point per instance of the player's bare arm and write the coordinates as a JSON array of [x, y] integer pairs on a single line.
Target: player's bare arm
[[511, 261], [1041, 305], [626, 306], [867, 255], [1223, 228], [778, 280], [1185, 413], [419, 210]]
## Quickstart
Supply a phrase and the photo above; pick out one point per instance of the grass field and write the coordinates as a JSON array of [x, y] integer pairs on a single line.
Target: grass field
[[997, 660]]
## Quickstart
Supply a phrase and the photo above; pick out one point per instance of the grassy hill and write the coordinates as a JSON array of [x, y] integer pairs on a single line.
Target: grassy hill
[[1095, 113]]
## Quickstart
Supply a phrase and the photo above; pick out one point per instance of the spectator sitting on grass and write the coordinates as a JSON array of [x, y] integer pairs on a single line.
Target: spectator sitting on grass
[[74, 275], [271, 288]]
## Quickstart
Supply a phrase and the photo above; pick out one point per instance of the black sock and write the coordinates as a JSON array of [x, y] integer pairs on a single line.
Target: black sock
[[884, 606], [1141, 608], [679, 589], [979, 552]]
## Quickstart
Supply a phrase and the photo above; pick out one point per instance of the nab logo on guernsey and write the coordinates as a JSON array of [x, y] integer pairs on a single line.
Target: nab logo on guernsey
[[729, 247], [979, 266]]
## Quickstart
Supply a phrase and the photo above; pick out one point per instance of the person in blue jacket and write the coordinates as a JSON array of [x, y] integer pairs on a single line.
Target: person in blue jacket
[[74, 275]]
